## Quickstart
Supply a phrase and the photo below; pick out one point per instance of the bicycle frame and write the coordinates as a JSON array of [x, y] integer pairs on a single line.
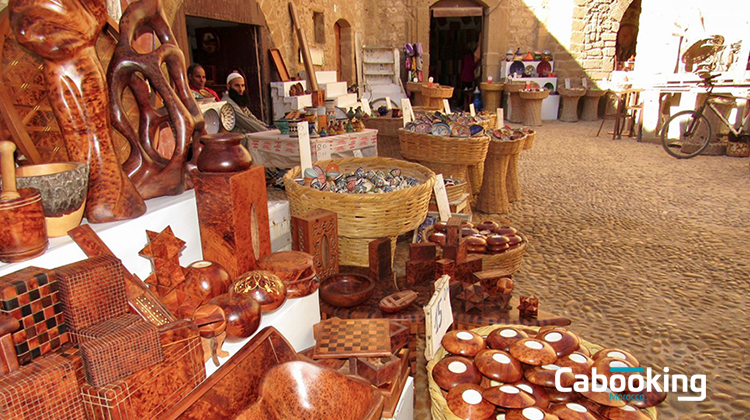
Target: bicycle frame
[[708, 103]]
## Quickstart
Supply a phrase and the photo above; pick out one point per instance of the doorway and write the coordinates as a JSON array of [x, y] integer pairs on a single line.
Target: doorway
[[344, 52], [627, 36], [220, 47], [455, 44]]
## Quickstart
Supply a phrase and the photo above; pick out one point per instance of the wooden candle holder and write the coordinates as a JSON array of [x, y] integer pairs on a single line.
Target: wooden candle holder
[[233, 218]]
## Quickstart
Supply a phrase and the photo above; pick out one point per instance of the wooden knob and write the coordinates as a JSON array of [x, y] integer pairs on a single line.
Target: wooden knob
[[8, 169]]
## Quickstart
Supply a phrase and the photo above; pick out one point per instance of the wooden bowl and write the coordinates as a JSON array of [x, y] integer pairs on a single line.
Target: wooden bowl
[[346, 289], [455, 370], [508, 396], [466, 402], [616, 354], [540, 395], [563, 342], [571, 411], [263, 286], [556, 396], [506, 230], [463, 343], [502, 338], [288, 265], [623, 413], [497, 240], [545, 376], [488, 225], [205, 280], [306, 285], [531, 413], [579, 363], [498, 365], [604, 366], [533, 352], [64, 187]]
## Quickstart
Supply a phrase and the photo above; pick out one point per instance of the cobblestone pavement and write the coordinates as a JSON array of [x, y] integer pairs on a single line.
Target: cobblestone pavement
[[644, 252]]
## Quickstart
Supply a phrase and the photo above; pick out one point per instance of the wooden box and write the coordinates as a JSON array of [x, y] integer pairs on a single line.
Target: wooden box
[[378, 370], [317, 233], [46, 389], [399, 336], [30, 295], [92, 291], [120, 352], [380, 256], [233, 218], [146, 395]]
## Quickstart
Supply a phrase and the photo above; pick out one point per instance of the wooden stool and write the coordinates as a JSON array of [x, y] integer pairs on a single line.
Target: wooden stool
[[532, 106], [494, 195], [591, 104], [570, 98]]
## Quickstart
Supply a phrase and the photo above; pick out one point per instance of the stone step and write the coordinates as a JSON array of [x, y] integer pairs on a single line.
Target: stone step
[[325, 77], [334, 90]]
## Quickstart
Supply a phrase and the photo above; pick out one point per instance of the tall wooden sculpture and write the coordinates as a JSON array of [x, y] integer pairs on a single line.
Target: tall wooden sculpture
[[152, 174], [64, 32]]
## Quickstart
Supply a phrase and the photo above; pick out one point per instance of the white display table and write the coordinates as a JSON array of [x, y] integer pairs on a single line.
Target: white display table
[[294, 319]]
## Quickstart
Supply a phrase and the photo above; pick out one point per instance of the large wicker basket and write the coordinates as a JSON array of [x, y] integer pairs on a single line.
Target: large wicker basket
[[530, 136], [439, 149], [493, 197], [364, 217], [439, 407], [387, 135]]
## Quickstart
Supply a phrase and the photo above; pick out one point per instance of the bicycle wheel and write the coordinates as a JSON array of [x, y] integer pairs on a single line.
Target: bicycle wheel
[[686, 134]]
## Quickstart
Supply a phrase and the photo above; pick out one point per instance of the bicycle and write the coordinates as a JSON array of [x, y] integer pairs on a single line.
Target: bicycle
[[693, 127]]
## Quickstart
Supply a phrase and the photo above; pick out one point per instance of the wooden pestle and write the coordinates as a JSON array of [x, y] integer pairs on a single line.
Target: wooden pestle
[[8, 168]]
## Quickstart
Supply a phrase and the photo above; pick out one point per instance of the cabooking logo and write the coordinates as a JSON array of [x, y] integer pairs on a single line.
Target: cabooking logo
[[630, 387]]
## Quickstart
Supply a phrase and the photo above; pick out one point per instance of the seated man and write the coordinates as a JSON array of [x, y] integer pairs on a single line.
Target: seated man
[[245, 121], [197, 81]]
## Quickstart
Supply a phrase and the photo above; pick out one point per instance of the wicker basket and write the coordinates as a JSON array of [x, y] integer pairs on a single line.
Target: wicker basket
[[534, 94], [509, 261], [437, 91], [364, 217], [493, 197], [387, 135], [530, 136], [456, 191], [439, 407], [439, 149], [476, 177], [515, 101]]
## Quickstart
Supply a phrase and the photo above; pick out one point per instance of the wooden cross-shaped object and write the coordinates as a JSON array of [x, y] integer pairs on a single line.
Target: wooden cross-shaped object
[[164, 251]]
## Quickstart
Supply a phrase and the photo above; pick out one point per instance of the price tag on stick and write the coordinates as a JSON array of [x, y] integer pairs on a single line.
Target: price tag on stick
[[567, 83], [441, 196], [500, 118], [446, 106], [357, 153], [406, 111], [584, 82], [366, 106], [305, 154], [472, 110], [388, 103], [323, 150], [438, 316]]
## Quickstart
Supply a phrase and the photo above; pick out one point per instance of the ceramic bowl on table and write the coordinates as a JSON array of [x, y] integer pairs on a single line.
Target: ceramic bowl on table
[[346, 289], [63, 187]]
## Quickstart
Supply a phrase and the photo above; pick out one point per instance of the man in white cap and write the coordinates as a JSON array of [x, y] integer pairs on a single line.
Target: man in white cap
[[245, 121]]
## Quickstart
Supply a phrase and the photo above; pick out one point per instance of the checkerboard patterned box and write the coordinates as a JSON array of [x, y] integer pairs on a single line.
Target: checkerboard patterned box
[[31, 296]]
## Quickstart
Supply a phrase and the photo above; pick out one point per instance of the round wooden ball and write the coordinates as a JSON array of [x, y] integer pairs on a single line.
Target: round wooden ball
[[243, 314], [205, 280]]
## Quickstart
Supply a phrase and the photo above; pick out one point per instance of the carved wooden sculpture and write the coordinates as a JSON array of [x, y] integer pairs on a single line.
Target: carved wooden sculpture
[[152, 174], [64, 33]]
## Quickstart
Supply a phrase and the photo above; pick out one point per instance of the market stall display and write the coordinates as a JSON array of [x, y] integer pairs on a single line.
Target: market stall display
[[570, 98], [500, 383], [531, 105], [363, 217], [491, 94]]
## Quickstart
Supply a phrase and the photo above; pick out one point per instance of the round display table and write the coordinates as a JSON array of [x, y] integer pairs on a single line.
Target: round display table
[[531, 106], [493, 197], [492, 92], [591, 104], [514, 115], [570, 98]]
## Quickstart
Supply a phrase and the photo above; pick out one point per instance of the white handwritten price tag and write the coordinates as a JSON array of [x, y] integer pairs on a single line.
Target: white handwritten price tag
[[438, 316], [305, 154], [472, 110], [567, 83], [446, 106], [366, 106], [406, 111], [388, 103], [441, 195], [323, 150], [500, 118], [357, 153], [584, 82]]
